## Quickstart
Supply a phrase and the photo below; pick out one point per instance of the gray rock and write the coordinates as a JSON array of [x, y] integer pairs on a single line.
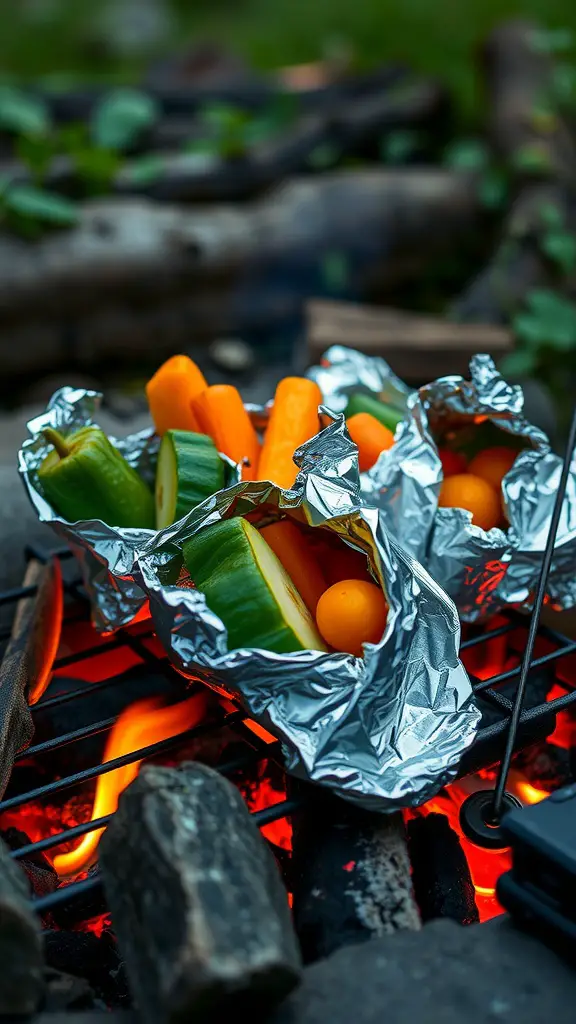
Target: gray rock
[[21, 970], [444, 974], [197, 902]]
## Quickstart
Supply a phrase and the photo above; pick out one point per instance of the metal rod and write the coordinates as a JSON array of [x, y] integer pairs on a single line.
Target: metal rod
[[499, 790], [118, 762], [503, 677]]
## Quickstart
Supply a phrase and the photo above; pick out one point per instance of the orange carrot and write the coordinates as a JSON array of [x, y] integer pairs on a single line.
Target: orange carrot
[[292, 548], [221, 414], [370, 437], [293, 420], [170, 392]]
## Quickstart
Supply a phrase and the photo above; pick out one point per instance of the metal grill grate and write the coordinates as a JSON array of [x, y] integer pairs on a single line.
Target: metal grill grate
[[535, 723]]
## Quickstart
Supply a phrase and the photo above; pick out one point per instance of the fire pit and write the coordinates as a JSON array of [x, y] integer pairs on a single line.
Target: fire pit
[[115, 701]]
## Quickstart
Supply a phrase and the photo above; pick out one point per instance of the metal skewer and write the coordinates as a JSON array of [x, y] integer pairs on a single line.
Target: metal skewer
[[481, 813]]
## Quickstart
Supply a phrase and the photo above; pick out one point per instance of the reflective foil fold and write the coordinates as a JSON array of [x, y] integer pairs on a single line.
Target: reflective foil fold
[[106, 554], [482, 572], [384, 731]]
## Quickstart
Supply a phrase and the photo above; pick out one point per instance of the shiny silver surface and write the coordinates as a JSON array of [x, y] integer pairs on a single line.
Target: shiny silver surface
[[384, 731]]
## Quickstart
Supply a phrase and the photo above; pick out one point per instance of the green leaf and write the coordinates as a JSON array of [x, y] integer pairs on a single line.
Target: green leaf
[[36, 152], [466, 155], [550, 321], [398, 146], [533, 158], [560, 246], [73, 138], [551, 215], [564, 84], [144, 171], [551, 40], [520, 363], [324, 156], [36, 204], [22, 114], [493, 189], [121, 117], [97, 168], [335, 271]]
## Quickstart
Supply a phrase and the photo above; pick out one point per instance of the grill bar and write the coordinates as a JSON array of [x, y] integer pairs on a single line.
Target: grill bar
[[136, 640]]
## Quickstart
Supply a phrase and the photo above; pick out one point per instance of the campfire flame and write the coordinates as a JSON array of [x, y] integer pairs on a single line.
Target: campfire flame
[[145, 722]]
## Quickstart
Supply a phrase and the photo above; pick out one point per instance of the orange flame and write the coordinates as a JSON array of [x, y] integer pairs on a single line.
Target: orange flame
[[141, 724]]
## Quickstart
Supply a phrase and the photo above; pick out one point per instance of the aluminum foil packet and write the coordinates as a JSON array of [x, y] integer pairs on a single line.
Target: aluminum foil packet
[[384, 731], [106, 554], [482, 571]]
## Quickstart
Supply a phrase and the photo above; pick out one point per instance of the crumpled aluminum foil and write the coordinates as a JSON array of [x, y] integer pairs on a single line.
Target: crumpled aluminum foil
[[482, 572], [106, 554], [344, 370], [385, 731]]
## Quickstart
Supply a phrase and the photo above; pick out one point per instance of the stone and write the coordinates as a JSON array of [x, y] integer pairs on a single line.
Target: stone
[[232, 355], [483, 974], [21, 964], [197, 903]]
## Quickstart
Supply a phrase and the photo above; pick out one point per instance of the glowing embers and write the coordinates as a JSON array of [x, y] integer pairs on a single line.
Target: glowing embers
[[140, 725]]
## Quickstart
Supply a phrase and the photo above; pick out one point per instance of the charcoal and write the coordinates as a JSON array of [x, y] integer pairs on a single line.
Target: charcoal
[[65, 992], [440, 873], [21, 966], [91, 958], [350, 874], [41, 875], [545, 765], [443, 974], [83, 907], [197, 903]]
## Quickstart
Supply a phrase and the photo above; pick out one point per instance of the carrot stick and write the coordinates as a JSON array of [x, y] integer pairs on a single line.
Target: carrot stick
[[220, 413], [370, 437], [293, 420], [292, 548], [170, 392]]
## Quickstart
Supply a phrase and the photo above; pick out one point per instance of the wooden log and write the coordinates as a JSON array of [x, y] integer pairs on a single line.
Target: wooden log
[[523, 116], [21, 971], [350, 875], [518, 76], [197, 904], [132, 249], [344, 127], [27, 662], [418, 348], [440, 874]]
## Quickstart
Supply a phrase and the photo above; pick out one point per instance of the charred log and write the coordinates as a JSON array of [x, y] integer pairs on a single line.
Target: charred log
[[440, 873], [200, 911], [350, 875], [21, 973], [28, 660]]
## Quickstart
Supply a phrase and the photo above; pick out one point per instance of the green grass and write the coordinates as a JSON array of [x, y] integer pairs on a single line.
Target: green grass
[[435, 36]]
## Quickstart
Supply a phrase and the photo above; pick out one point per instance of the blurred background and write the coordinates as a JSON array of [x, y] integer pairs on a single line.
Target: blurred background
[[252, 181]]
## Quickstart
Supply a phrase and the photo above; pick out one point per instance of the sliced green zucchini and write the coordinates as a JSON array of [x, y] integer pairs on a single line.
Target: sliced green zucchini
[[189, 470], [367, 403], [247, 587]]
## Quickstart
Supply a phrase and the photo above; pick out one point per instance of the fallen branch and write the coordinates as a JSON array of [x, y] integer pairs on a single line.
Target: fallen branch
[[391, 222], [417, 347]]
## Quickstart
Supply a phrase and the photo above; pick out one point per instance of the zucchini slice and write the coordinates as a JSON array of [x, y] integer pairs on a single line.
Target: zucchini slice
[[189, 469], [247, 587]]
